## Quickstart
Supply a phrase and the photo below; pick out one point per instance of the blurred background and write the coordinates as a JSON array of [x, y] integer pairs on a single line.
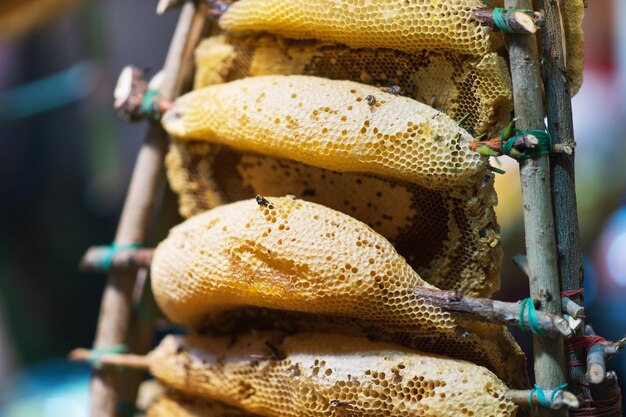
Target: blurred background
[[65, 163]]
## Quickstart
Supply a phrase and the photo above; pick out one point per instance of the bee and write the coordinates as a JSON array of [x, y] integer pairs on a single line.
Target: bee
[[262, 201]]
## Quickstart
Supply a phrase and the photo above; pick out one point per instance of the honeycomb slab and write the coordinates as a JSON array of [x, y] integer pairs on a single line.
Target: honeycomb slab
[[321, 375]]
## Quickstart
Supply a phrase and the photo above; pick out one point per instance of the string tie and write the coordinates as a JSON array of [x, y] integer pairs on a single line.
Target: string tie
[[502, 20], [150, 105], [533, 322], [544, 147], [114, 248], [96, 355], [541, 395], [571, 293]]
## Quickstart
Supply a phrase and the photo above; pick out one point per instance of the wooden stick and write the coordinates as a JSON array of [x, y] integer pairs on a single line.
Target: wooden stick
[[493, 311], [548, 353], [562, 398], [93, 259], [560, 127], [597, 356], [129, 94], [572, 308], [126, 360], [596, 363], [519, 21], [148, 177]]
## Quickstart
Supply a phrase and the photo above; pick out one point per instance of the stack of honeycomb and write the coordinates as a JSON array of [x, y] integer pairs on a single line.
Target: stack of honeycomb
[[349, 108]]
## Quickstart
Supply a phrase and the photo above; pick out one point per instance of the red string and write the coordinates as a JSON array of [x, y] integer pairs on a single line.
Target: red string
[[590, 407], [571, 293], [598, 408], [575, 343]]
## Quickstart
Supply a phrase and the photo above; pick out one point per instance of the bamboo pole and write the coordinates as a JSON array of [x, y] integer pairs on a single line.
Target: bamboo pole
[[537, 201], [560, 127], [148, 176]]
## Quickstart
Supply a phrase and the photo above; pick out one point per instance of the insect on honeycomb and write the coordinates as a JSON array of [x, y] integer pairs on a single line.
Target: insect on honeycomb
[[457, 85], [175, 404], [321, 374], [409, 26], [337, 125], [449, 237]]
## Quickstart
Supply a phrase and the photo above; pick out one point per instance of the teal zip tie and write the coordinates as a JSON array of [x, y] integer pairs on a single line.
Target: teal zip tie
[[544, 147], [96, 355], [502, 20], [533, 323], [105, 265], [150, 106], [541, 395], [557, 389]]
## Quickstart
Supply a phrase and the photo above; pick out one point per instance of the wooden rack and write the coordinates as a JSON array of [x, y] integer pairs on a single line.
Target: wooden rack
[[548, 196]]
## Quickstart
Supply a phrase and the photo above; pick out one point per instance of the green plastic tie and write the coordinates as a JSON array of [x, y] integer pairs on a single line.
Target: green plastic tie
[[544, 147], [96, 355], [541, 395], [533, 323], [502, 20], [150, 106], [114, 248]]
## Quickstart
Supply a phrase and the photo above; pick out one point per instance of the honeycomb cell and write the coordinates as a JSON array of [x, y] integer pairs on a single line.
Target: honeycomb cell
[[457, 85], [409, 26], [271, 374], [366, 128]]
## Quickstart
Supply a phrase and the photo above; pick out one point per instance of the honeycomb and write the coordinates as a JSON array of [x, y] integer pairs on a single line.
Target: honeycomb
[[573, 12], [299, 256], [484, 344], [290, 255], [457, 85], [313, 374], [450, 238], [175, 404], [338, 125], [409, 26]]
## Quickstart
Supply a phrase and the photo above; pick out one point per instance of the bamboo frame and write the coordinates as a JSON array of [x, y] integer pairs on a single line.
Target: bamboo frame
[[547, 225], [116, 311], [549, 363]]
